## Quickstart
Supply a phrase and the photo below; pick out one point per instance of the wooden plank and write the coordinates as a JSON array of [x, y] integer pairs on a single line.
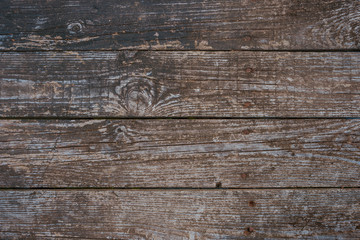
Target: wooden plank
[[180, 214], [179, 153], [179, 24], [180, 84]]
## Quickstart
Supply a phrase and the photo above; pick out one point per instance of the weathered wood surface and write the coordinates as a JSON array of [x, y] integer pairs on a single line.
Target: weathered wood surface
[[199, 178], [180, 153], [179, 24], [181, 214], [173, 84]]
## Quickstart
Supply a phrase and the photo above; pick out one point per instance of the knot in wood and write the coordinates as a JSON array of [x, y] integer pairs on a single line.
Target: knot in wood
[[123, 135], [340, 28], [74, 28], [129, 54], [136, 95], [126, 58]]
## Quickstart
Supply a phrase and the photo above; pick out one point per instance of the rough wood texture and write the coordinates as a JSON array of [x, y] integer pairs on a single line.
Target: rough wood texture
[[180, 153], [203, 178], [181, 214], [163, 84], [179, 24]]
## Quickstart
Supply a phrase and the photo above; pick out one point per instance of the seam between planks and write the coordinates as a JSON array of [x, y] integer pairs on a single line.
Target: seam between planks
[[186, 50], [174, 188], [176, 118]]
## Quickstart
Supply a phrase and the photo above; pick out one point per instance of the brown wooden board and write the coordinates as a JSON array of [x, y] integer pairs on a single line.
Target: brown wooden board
[[179, 153], [180, 24], [180, 119], [180, 214], [180, 84]]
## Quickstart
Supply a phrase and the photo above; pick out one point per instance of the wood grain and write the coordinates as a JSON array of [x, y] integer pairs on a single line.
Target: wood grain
[[179, 153], [179, 24], [180, 84], [101, 177], [180, 214]]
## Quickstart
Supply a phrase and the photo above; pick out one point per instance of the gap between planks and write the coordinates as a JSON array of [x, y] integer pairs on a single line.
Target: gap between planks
[[184, 50], [171, 188], [173, 118]]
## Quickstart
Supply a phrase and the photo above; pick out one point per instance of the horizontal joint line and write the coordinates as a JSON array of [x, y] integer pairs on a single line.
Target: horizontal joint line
[[173, 188]]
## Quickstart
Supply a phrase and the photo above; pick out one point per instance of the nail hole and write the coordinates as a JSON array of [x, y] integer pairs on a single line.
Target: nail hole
[[247, 104], [249, 70], [252, 204], [248, 231], [246, 38], [218, 185], [246, 131], [244, 176]]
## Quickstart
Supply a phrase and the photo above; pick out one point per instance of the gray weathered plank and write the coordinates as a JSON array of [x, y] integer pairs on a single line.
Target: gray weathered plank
[[179, 24], [180, 214], [179, 153], [180, 84]]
